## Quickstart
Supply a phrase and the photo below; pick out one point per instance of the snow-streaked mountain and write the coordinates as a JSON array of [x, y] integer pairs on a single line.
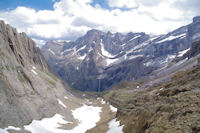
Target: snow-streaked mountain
[[99, 60]]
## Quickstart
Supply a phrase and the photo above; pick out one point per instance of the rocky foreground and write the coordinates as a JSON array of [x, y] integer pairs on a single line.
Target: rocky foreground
[[168, 107]]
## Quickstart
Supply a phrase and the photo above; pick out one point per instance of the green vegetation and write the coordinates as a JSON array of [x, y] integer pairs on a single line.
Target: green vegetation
[[20, 78], [13, 68], [32, 92], [1, 68], [51, 75], [51, 82], [50, 78], [7, 67], [2, 56]]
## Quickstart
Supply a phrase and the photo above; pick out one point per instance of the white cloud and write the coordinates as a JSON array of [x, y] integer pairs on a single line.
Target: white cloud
[[161, 11], [122, 3], [72, 18]]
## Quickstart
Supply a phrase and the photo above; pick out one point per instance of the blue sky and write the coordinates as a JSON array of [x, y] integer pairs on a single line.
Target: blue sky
[[36, 4], [69, 19]]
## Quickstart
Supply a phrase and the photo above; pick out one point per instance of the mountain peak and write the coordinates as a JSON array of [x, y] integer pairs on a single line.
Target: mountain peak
[[196, 19], [93, 31]]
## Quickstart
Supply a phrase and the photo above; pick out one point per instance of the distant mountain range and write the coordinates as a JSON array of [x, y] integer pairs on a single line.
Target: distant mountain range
[[98, 60]]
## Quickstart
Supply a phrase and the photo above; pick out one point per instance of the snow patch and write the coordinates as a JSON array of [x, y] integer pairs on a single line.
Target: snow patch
[[90, 49], [104, 52], [3, 131], [87, 116], [33, 67], [83, 47], [134, 56], [82, 57], [135, 37], [9, 128], [113, 109], [66, 50], [181, 53], [102, 101], [169, 58], [48, 125], [51, 51], [61, 103], [66, 97], [114, 126], [88, 102], [149, 63], [34, 72], [110, 61], [171, 38]]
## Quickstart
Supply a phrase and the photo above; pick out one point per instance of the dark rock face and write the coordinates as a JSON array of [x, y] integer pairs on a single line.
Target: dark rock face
[[192, 52], [196, 19], [99, 60], [27, 91], [193, 30]]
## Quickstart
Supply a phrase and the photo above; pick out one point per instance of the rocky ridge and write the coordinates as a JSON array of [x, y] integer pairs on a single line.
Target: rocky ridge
[[99, 60]]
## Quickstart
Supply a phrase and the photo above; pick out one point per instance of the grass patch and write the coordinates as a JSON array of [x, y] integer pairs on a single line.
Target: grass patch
[[1, 68], [20, 78], [51, 75], [32, 92], [51, 82], [7, 67]]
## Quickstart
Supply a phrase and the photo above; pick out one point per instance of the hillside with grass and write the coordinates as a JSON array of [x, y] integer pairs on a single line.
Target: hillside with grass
[[173, 106]]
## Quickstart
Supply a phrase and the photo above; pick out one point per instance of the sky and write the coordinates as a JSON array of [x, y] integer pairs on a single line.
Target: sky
[[46, 20]]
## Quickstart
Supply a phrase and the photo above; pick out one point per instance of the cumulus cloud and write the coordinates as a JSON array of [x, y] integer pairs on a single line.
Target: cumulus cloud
[[72, 18]]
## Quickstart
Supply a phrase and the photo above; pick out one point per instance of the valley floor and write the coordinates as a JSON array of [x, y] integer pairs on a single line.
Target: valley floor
[[93, 115]]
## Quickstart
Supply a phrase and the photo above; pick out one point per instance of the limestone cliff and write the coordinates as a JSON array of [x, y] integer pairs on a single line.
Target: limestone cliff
[[27, 89]]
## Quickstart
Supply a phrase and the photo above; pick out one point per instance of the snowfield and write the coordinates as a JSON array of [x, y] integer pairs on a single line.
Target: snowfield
[[87, 116], [114, 126]]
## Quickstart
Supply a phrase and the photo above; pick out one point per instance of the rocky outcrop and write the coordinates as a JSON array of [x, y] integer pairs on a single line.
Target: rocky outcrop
[[27, 89], [191, 52]]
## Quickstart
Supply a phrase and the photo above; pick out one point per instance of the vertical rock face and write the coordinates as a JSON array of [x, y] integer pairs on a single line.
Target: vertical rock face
[[27, 90], [21, 47], [194, 30]]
